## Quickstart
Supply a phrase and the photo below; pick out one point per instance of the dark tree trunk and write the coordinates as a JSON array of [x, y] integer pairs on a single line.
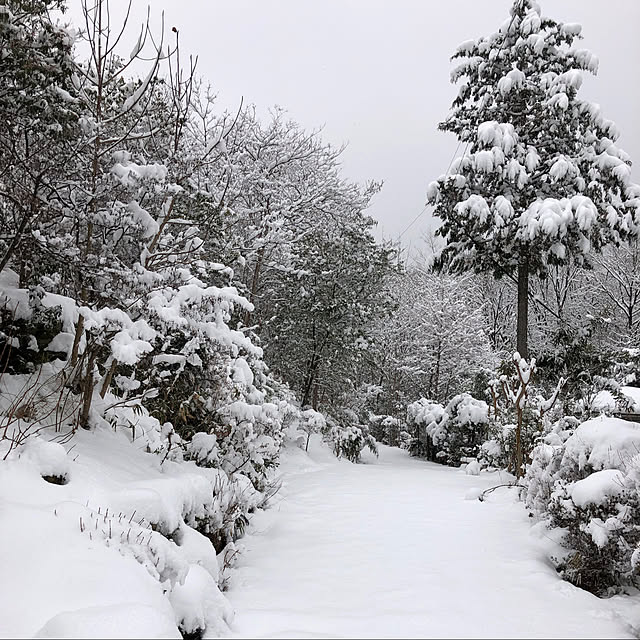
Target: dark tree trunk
[[254, 284], [87, 392], [523, 309], [519, 453]]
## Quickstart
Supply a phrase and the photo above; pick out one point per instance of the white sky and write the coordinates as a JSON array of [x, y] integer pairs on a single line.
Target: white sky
[[375, 74]]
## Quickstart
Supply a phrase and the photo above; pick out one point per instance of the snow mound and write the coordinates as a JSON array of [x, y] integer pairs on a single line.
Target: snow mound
[[114, 621], [49, 458], [124, 548], [597, 487], [603, 443], [199, 604], [472, 468]]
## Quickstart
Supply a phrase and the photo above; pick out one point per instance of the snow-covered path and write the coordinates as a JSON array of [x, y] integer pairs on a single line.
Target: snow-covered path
[[393, 549]]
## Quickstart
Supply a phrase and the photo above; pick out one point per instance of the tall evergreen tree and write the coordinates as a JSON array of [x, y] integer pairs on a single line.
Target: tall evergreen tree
[[541, 181], [39, 124]]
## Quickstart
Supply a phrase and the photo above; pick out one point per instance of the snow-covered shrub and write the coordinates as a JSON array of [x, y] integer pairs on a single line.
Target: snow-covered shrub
[[385, 429], [498, 451], [465, 429], [586, 482], [199, 605], [348, 437], [545, 462], [404, 440], [234, 496], [27, 327], [595, 370], [448, 434], [425, 419], [309, 422], [521, 413], [49, 458]]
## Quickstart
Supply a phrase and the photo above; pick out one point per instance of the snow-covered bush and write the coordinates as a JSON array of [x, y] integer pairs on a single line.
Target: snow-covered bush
[[348, 437], [448, 434], [425, 418], [586, 482], [27, 327], [404, 440], [385, 429], [498, 451], [309, 422]]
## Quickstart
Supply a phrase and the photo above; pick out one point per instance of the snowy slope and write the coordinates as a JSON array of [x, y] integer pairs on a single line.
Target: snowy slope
[[393, 549], [88, 559]]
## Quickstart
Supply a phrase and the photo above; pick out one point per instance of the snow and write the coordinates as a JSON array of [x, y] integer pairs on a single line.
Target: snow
[[603, 443], [560, 168], [61, 343], [112, 621], [599, 530], [484, 161], [553, 218], [470, 410], [633, 393], [398, 547], [199, 605], [597, 487], [603, 401], [48, 458], [513, 80], [142, 216], [128, 350], [474, 207], [108, 553], [531, 23], [49, 568], [130, 174], [15, 299], [472, 468], [572, 28], [496, 134]]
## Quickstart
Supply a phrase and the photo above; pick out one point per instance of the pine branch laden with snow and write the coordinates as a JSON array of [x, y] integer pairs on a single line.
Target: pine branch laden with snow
[[541, 175]]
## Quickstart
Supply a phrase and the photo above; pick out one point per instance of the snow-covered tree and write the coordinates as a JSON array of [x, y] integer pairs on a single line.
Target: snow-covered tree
[[39, 126], [541, 181], [320, 314], [433, 345], [616, 278]]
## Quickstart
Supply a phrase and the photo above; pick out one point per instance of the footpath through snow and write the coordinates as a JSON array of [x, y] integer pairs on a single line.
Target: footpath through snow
[[398, 547]]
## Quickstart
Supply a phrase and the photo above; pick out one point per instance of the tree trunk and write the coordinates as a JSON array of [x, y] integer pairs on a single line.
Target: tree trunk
[[519, 453], [309, 380], [76, 340], [523, 309], [108, 377], [254, 284], [87, 392]]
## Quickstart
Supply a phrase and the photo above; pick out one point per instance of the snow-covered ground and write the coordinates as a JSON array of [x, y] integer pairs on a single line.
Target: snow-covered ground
[[82, 560], [398, 547]]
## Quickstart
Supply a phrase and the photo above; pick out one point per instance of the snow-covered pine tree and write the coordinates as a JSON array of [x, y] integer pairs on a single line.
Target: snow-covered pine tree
[[541, 181], [38, 126]]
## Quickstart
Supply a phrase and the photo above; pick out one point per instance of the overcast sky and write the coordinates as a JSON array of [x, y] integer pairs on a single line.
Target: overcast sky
[[375, 74]]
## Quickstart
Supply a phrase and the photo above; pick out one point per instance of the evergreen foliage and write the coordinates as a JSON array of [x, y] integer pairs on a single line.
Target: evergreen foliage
[[541, 182]]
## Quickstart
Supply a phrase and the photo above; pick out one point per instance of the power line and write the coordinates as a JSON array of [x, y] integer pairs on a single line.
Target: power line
[[455, 153], [426, 205]]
